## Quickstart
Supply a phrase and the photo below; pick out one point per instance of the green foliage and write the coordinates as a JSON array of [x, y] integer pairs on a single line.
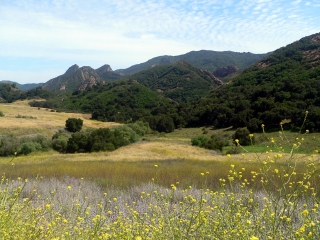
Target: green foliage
[[215, 142], [9, 93], [180, 82], [204, 59], [9, 144], [74, 124], [12, 145], [281, 86], [165, 124], [39, 92], [29, 147], [199, 141], [103, 139], [242, 134], [1, 114], [60, 141], [234, 150]]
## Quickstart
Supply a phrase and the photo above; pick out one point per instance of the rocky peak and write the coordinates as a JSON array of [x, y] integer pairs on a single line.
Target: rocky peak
[[213, 78], [225, 71], [72, 69], [104, 68]]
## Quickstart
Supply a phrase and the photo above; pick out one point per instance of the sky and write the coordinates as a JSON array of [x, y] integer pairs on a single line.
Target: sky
[[41, 39]]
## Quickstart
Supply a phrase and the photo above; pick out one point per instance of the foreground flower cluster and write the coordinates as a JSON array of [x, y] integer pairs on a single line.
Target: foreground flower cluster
[[76, 209], [278, 201]]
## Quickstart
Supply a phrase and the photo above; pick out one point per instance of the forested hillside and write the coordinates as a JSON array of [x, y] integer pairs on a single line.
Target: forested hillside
[[204, 59], [121, 101], [283, 85], [180, 82], [23, 87], [9, 93]]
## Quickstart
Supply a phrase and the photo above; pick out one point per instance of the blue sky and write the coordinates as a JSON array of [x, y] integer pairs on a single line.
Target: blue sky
[[40, 40]]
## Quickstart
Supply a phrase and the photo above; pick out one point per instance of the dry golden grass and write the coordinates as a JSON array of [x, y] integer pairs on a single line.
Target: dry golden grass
[[46, 122]]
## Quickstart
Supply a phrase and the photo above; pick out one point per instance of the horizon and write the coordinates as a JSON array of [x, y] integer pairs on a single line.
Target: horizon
[[41, 40]]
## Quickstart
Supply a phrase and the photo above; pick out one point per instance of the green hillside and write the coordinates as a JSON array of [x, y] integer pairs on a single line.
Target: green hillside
[[23, 87], [180, 82], [121, 101], [9, 93], [204, 59], [283, 85]]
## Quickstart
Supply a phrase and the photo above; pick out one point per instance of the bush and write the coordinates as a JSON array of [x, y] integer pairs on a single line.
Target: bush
[[141, 128], [199, 141], [1, 114], [242, 134], [9, 144], [216, 143], [79, 142], [102, 139], [234, 150], [38, 138], [60, 143], [74, 124], [29, 147], [165, 124]]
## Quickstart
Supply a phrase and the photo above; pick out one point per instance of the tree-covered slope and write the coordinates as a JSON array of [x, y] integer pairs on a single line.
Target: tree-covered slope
[[9, 93], [204, 59], [120, 101], [107, 74], [180, 82], [281, 86], [23, 87]]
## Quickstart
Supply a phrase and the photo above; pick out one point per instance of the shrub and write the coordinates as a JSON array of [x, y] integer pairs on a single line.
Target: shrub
[[242, 134], [199, 141], [60, 143], [74, 124], [8, 145], [78, 142], [38, 138], [165, 124], [141, 128], [29, 147], [234, 150], [216, 143], [1, 114]]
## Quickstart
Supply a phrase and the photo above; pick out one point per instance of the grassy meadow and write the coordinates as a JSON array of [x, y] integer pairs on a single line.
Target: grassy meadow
[[160, 187]]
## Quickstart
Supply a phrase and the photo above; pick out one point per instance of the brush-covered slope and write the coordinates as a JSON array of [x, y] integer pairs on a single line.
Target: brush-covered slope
[[107, 74], [204, 59], [23, 87], [122, 101], [9, 93], [180, 82], [283, 85]]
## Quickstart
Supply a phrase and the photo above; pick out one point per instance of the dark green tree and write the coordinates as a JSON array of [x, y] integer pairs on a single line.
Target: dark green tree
[[74, 124], [242, 134]]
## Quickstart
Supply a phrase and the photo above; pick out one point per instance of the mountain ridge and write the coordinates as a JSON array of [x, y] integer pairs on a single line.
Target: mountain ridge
[[206, 60], [282, 85]]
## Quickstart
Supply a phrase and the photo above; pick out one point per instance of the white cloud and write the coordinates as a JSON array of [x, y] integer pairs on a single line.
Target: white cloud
[[126, 32]]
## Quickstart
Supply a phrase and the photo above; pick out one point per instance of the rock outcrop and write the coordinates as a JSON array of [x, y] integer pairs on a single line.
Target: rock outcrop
[[225, 71]]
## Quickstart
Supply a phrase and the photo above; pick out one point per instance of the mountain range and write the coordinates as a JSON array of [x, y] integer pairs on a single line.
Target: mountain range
[[223, 63], [24, 87], [282, 85]]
